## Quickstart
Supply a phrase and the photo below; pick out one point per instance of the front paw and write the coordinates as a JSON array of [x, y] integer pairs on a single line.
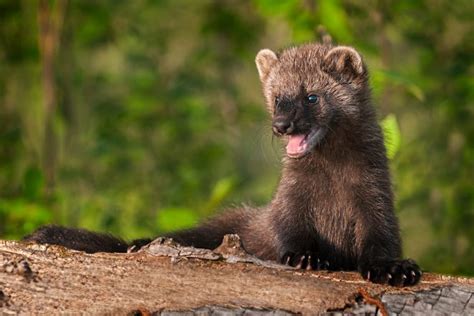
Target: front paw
[[393, 272], [304, 260]]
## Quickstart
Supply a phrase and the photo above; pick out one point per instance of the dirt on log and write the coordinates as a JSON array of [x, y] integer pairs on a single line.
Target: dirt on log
[[166, 279]]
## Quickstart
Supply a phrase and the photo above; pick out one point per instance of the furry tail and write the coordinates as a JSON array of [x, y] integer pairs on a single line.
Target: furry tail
[[208, 235], [78, 239], [91, 242]]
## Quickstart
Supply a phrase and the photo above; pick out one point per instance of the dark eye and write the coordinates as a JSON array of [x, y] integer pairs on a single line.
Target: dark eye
[[312, 98], [277, 100]]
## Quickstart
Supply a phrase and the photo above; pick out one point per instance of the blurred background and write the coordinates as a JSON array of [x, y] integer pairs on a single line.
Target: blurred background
[[139, 117]]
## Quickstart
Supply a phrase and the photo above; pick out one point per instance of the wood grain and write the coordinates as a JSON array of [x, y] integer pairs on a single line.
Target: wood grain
[[43, 279]]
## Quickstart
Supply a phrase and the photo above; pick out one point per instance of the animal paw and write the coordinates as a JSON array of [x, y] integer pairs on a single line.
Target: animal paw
[[307, 261], [393, 272]]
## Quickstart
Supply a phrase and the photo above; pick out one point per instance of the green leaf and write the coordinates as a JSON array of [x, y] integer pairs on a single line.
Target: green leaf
[[221, 190], [392, 135], [176, 218], [334, 18], [406, 82]]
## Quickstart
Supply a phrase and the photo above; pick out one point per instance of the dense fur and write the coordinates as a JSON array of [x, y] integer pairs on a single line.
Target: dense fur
[[333, 207], [79, 239]]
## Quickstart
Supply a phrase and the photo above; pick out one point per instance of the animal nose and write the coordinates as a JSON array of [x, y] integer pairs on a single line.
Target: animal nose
[[283, 126]]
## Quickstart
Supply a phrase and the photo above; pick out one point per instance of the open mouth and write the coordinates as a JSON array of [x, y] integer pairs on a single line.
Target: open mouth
[[300, 145]]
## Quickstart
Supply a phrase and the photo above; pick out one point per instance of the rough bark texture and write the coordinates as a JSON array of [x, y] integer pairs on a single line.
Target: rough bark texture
[[166, 279]]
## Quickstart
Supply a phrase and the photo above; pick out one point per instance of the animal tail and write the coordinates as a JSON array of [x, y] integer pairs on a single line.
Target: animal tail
[[77, 239], [208, 235]]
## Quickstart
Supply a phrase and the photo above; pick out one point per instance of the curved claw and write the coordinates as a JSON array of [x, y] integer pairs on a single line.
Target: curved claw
[[325, 265], [393, 272], [306, 261], [310, 263], [301, 263]]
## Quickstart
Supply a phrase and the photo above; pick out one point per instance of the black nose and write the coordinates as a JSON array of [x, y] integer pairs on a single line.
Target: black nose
[[282, 126]]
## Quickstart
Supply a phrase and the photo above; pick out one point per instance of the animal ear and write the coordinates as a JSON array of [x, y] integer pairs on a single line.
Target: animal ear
[[344, 64], [266, 59]]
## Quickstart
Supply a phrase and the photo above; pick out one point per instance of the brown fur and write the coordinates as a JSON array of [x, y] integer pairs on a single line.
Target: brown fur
[[334, 204]]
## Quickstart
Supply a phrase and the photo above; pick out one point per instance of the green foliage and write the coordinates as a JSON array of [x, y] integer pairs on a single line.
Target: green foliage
[[33, 184], [159, 119], [27, 211], [22, 217], [391, 134], [332, 15], [176, 218]]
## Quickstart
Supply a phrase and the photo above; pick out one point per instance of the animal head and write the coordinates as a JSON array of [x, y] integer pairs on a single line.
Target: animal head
[[309, 88]]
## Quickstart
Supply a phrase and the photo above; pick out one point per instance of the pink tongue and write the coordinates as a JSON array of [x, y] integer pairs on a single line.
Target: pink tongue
[[296, 144]]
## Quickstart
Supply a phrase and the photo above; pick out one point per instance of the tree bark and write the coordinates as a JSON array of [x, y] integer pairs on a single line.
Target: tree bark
[[166, 279]]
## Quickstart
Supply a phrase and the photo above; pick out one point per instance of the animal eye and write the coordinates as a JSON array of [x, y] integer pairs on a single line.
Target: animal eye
[[312, 98], [277, 100]]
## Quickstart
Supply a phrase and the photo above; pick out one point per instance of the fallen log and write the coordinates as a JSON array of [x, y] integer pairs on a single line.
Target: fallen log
[[166, 279]]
